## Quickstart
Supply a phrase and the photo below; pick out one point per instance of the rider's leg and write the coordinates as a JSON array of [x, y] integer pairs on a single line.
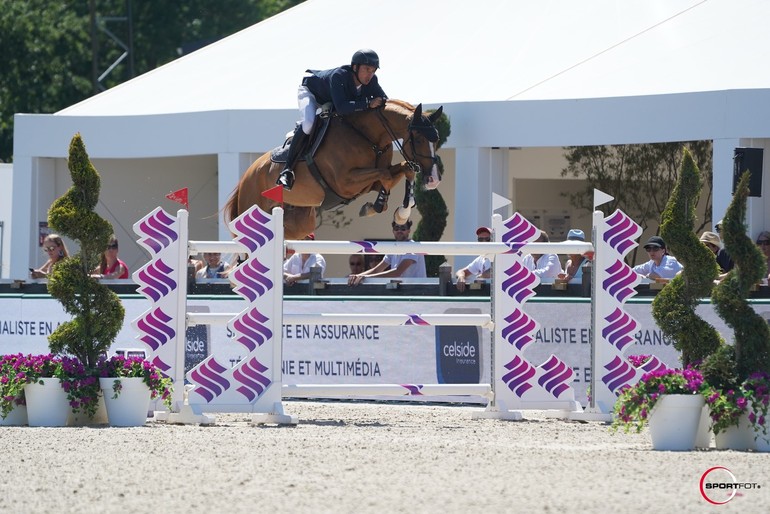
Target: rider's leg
[[307, 108]]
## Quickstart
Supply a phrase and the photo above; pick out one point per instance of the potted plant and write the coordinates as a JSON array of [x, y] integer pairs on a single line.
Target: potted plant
[[55, 387], [128, 384], [744, 365], [13, 410], [97, 312]]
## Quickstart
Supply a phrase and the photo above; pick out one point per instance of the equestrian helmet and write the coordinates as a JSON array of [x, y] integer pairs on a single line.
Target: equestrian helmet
[[366, 56]]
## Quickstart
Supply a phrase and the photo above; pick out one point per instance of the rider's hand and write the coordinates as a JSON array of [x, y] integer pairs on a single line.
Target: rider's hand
[[376, 102]]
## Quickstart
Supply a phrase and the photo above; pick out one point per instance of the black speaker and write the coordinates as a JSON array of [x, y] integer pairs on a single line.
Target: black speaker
[[748, 159]]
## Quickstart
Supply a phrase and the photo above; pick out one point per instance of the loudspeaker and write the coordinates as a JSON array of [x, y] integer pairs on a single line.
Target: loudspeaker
[[748, 159]]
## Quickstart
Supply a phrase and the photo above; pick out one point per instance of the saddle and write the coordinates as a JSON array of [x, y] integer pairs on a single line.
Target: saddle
[[332, 199]]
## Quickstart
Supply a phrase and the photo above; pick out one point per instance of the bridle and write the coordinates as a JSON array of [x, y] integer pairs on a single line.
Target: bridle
[[412, 163]]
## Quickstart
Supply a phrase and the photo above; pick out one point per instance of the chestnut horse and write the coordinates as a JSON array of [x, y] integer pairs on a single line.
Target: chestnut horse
[[354, 158]]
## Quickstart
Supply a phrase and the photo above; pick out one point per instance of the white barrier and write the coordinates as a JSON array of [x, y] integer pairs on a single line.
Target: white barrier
[[255, 384]]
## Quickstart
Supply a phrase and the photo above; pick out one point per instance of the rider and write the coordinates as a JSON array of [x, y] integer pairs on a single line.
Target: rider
[[349, 88]]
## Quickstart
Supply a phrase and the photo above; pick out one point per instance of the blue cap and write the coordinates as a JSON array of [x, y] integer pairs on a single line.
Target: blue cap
[[575, 234]]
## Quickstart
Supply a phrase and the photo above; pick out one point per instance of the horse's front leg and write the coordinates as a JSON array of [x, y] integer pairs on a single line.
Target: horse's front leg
[[388, 178]]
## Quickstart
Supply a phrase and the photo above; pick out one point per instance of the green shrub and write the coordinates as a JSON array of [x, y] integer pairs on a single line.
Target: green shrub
[[97, 311]]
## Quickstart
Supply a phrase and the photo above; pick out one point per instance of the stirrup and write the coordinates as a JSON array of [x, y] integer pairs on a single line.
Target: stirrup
[[286, 179]]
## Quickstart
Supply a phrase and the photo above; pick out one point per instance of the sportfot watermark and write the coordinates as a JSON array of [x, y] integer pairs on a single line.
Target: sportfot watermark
[[718, 486]]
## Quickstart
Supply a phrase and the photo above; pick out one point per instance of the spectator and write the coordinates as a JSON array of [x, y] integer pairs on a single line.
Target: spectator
[[573, 268], [215, 267], [481, 266], [298, 266], [408, 265], [543, 265], [109, 265], [763, 242], [356, 263], [54, 247], [661, 267], [714, 243], [723, 257], [372, 260]]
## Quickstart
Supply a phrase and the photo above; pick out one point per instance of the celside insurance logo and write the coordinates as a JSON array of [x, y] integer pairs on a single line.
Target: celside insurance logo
[[718, 485]]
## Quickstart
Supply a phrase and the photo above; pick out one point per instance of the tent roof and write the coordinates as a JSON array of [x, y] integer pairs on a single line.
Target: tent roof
[[450, 51]]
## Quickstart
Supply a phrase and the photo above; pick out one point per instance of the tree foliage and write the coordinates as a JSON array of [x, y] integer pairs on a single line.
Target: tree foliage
[[47, 58], [640, 177]]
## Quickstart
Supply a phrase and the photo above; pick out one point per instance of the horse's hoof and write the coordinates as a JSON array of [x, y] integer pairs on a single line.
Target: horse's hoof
[[401, 216], [367, 210]]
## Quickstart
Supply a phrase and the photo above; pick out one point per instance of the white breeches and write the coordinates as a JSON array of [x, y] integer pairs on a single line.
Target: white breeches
[[307, 108]]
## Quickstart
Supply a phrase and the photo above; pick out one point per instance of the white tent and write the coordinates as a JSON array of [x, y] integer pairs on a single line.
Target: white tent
[[510, 74]]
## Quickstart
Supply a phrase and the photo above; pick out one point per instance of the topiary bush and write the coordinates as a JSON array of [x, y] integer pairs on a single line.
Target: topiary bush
[[751, 346], [431, 204], [674, 306], [97, 311]]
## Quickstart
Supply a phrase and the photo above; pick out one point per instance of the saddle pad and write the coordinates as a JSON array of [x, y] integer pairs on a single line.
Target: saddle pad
[[280, 153]]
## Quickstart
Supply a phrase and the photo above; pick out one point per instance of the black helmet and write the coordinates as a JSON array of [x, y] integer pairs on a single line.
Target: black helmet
[[366, 56]]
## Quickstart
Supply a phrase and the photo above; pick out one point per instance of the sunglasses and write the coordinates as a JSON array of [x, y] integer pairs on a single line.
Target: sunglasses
[[652, 248], [400, 228], [112, 247], [484, 239], [49, 248], [763, 242]]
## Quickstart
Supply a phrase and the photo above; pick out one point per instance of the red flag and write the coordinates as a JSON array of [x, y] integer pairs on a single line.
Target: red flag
[[274, 193], [180, 197]]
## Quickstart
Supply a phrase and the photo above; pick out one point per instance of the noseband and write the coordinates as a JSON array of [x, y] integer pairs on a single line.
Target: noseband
[[412, 163]]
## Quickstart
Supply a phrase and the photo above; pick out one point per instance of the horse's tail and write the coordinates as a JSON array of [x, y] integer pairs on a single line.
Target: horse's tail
[[231, 207]]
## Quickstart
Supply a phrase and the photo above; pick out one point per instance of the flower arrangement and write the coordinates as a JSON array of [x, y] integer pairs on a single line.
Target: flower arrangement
[[135, 367], [756, 391], [81, 386], [725, 407], [12, 380], [635, 403]]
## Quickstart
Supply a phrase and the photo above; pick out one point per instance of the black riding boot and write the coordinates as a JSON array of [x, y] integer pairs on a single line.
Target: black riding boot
[[286, 178]]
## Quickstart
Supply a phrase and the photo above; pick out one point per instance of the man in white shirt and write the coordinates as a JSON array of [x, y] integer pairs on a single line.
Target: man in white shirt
[[481, 266], [661, 267], [409, 265]]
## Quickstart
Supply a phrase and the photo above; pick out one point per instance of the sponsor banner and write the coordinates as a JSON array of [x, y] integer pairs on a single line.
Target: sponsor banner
[[370, 354]]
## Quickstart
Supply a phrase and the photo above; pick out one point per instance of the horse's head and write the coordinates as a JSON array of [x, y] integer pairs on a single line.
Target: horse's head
[[420, 145]]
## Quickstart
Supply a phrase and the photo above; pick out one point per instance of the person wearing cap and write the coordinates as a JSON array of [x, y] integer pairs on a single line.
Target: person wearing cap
[[713, 242], [661, 267], [299, 265], [481, 266], [573, 269], [545, 265], [408, 265]]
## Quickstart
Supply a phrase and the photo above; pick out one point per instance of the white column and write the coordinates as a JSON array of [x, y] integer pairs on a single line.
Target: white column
[[483, 171], [231, 166], [33, 179]]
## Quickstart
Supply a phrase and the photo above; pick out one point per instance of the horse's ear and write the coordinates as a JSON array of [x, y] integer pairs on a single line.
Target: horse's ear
[[417, 112], [435, 115]]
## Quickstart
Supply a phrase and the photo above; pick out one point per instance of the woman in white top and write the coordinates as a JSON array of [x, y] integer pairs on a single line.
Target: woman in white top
[[298, 266], [546, 265], [661, 267]]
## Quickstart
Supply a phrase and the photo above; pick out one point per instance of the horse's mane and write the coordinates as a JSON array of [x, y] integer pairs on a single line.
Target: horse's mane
[[400, 105]]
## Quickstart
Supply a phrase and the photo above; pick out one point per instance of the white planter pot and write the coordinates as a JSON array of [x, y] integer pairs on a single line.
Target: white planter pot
[[703, 438], [740, 437], [760, 441], [129, 409], [81, 419], [17, 417], [47, 404], [674, 421]]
